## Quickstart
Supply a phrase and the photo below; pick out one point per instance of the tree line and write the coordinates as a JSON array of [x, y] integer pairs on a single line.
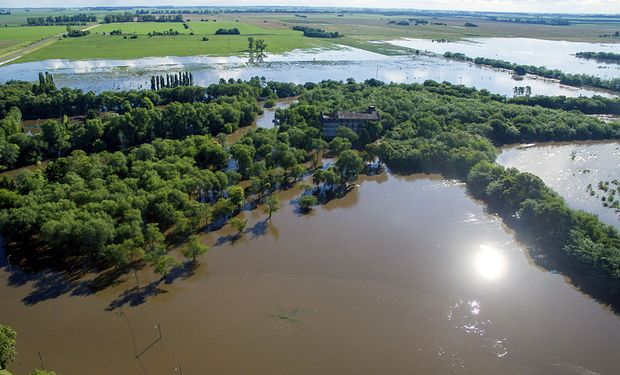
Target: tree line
[[605, 56], [76, 19], [520, 69], [131, 17], [314, 32]]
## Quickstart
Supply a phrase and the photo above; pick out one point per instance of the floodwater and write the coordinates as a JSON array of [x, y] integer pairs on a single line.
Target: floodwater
[[568, 168], [404, 275], [269, 114], [553, 54], [299, 66]]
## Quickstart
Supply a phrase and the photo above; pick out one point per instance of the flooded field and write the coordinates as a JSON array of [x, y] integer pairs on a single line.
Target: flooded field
[[568, 168], [299, 66], [537, 52], [403, 275]]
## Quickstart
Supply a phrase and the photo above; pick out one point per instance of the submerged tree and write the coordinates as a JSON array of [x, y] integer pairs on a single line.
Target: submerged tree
[[273, 205], [238, 224], [195, 248], [307, 202]]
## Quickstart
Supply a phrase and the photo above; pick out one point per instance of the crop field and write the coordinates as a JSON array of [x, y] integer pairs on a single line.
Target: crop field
[[359, 30], [18, 16], [116, 47], [15, 37], [141, 28]]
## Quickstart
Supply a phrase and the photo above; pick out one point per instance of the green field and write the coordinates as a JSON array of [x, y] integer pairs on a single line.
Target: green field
[[245, 28], [140, 28], [18, 16], [116, 47], [275, 28], [196, 27], [15, 37]]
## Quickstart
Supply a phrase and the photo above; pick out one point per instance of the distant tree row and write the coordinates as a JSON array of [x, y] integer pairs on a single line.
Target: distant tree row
[[130, 17], [564, 78], [172, 80], [76, 19], [606, 56], [553, 21]]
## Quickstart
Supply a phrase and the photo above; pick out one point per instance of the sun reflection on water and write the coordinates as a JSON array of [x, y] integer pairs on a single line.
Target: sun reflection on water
[[490, 263]]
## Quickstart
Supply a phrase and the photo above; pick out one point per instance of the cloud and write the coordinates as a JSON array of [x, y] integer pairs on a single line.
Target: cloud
[[556, 6]]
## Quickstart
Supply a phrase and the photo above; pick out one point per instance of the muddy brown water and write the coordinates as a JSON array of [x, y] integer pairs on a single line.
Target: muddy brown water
[[404, 275]]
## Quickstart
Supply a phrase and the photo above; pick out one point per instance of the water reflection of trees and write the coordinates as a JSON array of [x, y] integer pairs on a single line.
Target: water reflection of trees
[[256, 57]]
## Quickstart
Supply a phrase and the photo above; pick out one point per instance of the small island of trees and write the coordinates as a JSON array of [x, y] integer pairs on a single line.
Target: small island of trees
[[233, 31], [317, 33]]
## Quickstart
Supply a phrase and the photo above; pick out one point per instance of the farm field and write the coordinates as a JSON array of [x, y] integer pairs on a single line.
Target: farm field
[[364, 31], [15, 37], [116, 47]]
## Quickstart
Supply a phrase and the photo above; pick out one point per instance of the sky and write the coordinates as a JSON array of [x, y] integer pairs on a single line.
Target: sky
[[552, 6]]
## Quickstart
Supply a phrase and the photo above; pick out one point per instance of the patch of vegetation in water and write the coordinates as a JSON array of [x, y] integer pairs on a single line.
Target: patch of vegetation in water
[[608, 192]]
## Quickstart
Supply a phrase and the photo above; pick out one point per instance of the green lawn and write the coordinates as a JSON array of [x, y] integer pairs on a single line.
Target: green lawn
[[116, 47], [14, 37]]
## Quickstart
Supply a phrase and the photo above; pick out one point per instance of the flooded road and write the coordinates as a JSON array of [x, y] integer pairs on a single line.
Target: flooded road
[[298, 66], [552, 54], [568, 168], [404, 275]]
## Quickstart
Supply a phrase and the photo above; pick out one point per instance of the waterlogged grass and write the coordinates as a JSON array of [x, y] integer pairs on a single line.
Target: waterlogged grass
[[15, 37], [117, 47]]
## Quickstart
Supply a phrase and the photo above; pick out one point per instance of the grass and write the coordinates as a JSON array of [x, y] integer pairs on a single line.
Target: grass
[[140, 28], [116, 47], [208, 28], [15, 37]]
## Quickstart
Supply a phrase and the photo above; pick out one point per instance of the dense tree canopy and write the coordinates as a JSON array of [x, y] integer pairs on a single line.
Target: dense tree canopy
[[118, 188]]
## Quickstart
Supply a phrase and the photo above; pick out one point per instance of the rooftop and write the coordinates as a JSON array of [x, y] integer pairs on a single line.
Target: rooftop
[[370, 114]]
